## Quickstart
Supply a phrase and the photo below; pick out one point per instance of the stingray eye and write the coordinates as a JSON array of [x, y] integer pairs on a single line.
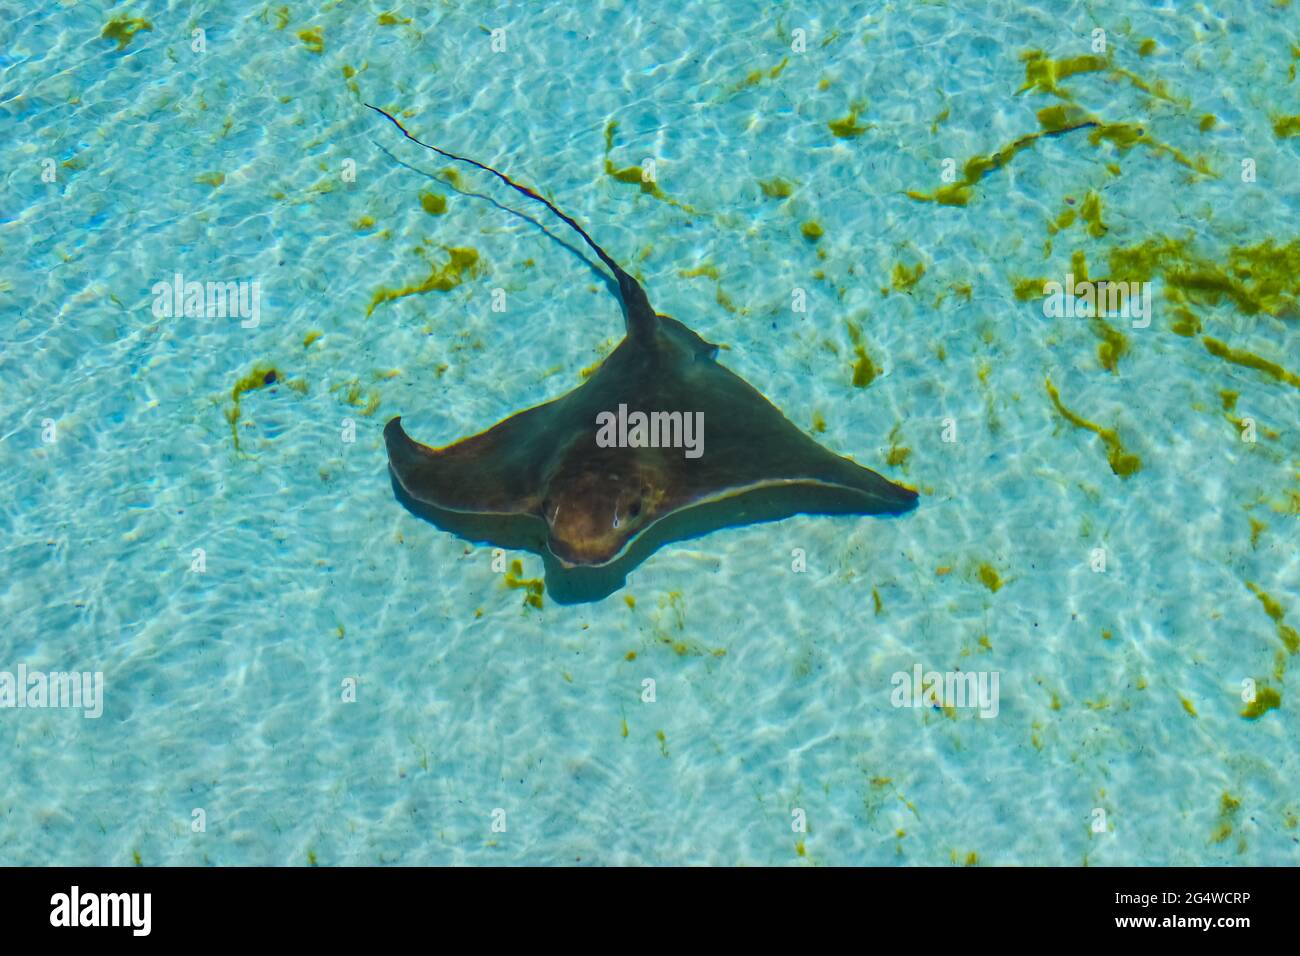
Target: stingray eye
[[635, 510]]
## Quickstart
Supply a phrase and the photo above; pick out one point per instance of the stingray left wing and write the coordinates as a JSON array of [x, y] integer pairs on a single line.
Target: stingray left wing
[[493, 472]]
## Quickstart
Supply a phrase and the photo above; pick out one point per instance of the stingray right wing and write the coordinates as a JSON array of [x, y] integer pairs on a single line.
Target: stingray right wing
[[749, 445]]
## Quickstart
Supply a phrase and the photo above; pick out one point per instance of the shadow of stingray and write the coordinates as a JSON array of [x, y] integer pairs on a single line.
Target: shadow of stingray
[[581, 585]]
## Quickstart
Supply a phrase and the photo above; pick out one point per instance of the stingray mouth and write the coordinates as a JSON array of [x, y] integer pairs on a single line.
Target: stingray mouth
[[589, 554]]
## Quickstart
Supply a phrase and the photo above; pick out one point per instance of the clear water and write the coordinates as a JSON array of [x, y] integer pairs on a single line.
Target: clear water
[[1121, 691]]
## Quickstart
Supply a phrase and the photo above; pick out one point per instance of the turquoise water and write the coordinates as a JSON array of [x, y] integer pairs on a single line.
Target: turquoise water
[[228, 591]]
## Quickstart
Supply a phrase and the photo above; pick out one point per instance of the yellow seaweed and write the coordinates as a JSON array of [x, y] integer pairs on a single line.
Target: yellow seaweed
[[460, 262], [847, 127], [124, 29], [1250, 360], [1264, 277], [1122, 462], [1090, 212], [533, 588], [776, 187], [1286, 634], [313, 39], [903, 279], [979, 166], [261, 376], [1266, 699], [1042, 73]]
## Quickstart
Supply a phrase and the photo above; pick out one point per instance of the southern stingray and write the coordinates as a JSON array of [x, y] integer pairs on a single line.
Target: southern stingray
[[588, 483]]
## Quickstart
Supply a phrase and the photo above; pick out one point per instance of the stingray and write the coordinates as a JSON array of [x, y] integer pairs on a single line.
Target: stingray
[[661, 429]]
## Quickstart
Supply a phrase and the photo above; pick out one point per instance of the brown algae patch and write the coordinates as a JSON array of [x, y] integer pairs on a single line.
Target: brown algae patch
[[123, 30], [1124, 136], [1284, 127], [313, 38], [904, 279], [433, 204], [261, 376], [1159, 89], [812, 231], [898, 454], [1122, 462], [1250, 360], [1264, 277], [1257, 528], [776, 188], [1028, 289], [1054, 121], [990, 578], [755, 77], [1127, 135], [1090, 212], [1043, 74], [460, 263], [354, 394], [1266, 699], [707, 269], [1287, 635], [864, 370], [1114, 344], [635, 175], [1185, 323], [1229, 807], [847, 127], [533, 588]]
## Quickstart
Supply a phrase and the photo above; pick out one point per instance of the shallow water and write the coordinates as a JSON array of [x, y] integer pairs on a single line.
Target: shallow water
[[1119, 736]]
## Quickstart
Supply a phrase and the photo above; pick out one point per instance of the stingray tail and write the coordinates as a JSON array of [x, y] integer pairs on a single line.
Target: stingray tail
[[640, 317]]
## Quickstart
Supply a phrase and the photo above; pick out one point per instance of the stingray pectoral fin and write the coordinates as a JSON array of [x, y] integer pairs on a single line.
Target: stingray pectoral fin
[[493, 472], [877, 494], [759, 448], [865, 494]]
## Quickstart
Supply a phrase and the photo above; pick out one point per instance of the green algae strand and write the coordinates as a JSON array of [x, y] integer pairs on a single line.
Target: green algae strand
[[1122, 462]]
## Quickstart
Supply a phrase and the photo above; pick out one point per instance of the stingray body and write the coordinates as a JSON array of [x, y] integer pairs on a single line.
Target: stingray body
[[552, 463]]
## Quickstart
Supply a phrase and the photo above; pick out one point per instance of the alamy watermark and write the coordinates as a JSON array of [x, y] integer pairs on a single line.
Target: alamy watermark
[[77, 690], [75, 908], [959, 689], [1102, 299], [176, 298], [651, 430]]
